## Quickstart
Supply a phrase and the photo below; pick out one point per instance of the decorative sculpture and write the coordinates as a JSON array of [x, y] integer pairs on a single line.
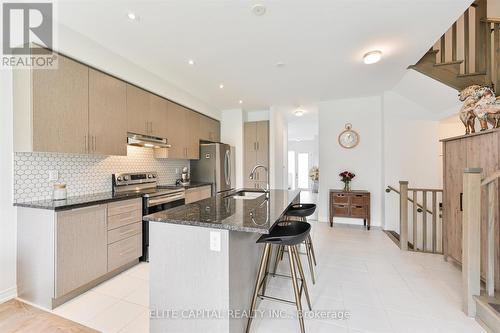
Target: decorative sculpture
[[481, 103], [467, 115], [487, 108]]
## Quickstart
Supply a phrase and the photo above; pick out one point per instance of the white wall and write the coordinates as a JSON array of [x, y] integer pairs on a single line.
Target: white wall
[[278, 152], [81, 48], [412, 151], [232, 133], [7, 211], [365, 115]]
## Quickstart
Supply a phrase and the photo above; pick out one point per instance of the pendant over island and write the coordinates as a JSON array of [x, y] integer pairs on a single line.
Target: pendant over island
[[204, 259]]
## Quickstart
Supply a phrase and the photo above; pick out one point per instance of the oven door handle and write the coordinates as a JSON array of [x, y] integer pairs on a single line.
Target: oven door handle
[[166, 199]]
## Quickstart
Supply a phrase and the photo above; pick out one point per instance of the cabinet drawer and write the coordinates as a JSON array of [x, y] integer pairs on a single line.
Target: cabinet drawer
[[125, 206], [340, 198], [124, 232], [358, 211], [340, 210], [358, 199], [119, 220], [124, 251]]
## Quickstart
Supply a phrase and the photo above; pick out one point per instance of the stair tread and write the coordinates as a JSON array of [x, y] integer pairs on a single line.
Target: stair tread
[[495, 306], [472, 74], [456, 62]]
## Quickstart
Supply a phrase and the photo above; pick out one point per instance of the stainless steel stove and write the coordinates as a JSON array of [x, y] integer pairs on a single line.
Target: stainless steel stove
[[155, 198]]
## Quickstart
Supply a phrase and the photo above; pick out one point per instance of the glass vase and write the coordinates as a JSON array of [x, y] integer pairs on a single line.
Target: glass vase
[[347, 186]]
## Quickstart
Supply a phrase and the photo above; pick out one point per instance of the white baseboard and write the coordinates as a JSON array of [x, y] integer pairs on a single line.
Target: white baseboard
[[8, 294]]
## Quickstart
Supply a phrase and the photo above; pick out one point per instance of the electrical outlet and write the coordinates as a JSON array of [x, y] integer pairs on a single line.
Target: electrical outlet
[[215, 241], [53, 175]]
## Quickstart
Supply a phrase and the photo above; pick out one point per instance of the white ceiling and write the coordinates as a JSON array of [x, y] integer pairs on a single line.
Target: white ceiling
[[321, 43]]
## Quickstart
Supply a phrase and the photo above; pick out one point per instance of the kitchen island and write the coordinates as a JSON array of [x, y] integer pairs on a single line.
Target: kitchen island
[[204, 259]]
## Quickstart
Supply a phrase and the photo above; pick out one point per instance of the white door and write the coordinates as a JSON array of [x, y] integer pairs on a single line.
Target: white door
[[303, 171], [291, 170]]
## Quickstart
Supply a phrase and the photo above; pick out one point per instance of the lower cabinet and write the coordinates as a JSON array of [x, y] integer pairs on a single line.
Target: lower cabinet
[[81, 244], [124, 233], [61, 254], [198, 193]]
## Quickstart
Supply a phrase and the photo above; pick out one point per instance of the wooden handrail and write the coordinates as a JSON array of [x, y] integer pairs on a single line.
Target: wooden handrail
[[490, 178], [390, 188]]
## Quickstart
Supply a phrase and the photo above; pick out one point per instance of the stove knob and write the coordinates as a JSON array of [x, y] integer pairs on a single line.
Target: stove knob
[[154, 176], [150, 176], [119, 178], [126, 178]]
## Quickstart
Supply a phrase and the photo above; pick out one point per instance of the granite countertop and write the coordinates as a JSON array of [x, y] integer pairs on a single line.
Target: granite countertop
[[79, 201], [225, 212], [95, 199]]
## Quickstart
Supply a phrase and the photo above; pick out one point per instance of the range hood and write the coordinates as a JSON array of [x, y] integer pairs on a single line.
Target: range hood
[[140, 140]]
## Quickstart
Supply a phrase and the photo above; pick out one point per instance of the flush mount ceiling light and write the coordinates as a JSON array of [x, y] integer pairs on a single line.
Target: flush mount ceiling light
[[191, 62], [258, 10], [299, 113], [240, 101], [132, 16], [372, 57], [280, 64], [221, 86]]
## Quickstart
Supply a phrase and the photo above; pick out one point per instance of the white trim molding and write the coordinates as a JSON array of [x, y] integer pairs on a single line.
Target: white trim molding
[[8, 294]]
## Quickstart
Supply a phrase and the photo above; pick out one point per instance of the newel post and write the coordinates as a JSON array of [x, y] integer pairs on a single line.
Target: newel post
[[403, 215], [471, 239]]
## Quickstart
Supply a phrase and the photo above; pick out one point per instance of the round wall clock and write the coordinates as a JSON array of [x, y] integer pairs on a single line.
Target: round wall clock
[[348, 138]]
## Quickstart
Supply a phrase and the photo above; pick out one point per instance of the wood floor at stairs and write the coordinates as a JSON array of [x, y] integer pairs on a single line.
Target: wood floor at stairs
[[19, 317]]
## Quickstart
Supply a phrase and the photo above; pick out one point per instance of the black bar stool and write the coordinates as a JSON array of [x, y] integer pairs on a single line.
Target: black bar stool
[[300, 211], [284, 234]]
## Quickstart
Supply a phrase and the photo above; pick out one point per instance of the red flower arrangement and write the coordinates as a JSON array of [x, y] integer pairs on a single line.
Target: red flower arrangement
[[346, 178]]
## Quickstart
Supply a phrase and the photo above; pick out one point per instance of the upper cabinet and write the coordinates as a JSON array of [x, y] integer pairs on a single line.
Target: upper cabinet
[[183, 132], [146, 112], [256, 143], [209, 129], [107, 114], [51, 108], [77, 109]]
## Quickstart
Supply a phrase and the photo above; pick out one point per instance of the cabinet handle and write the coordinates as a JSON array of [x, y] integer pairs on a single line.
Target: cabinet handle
[[258, 146], [94, 140], [85, 208], [86, 143]]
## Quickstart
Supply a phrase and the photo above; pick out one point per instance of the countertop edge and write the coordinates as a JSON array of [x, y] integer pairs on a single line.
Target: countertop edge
[[37, 205]]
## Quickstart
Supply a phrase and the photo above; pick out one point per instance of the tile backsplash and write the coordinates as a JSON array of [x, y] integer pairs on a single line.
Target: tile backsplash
[[84, 174]]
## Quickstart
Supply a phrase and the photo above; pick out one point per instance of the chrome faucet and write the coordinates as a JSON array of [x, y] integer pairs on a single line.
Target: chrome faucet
[[252, 175]]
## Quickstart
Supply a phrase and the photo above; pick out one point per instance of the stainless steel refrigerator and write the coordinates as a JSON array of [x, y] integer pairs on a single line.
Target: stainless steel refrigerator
[[216, 165]]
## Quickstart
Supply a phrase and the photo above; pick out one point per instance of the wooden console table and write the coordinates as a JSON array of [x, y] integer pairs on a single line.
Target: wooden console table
[[354, 204]]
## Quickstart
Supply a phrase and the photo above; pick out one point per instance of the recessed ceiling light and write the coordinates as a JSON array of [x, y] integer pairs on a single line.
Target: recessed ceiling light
[[240, 101], [221, 86], [299, 113], [132, 16], [258, 9], [280, 64], [372, 57], [191, 62]]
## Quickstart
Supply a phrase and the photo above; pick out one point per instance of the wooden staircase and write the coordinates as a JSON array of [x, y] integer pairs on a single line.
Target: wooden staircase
[[468, 53]]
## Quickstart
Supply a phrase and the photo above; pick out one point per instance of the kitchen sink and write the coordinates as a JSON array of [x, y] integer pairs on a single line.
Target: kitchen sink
[[246, 195]]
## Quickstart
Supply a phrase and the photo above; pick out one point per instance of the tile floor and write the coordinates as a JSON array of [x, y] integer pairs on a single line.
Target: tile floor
[[359, 271]]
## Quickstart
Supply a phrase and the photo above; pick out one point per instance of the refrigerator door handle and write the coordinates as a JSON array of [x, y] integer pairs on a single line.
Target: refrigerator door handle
[[226, 167]]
